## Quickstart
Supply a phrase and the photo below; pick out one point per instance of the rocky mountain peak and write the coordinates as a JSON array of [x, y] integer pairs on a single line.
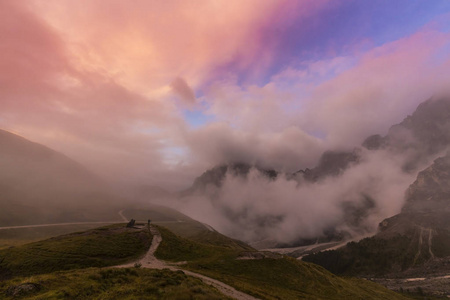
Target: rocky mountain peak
[[431, 190], [423, 134]]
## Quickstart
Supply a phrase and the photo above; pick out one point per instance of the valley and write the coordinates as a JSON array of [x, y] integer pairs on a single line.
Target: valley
[[213, 260], [408, 253], [225, 149]]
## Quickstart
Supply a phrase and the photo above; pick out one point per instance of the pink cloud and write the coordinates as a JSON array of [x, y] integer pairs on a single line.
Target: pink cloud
[[184, 91], [386, 84], [47, 97], [94, 82]]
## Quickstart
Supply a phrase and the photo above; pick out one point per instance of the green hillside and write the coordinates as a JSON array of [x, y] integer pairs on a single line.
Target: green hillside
[[267, 278], [183, 225], [104, 246], [52, 264], [120, 284]]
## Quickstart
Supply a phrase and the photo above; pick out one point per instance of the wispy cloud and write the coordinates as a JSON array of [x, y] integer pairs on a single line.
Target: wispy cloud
[[97, 82]]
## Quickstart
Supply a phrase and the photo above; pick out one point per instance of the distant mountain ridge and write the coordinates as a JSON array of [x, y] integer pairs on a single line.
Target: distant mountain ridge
[[39, 185], [18, 152], [414, 243], [424, 133], [430, 192], [418, 139]]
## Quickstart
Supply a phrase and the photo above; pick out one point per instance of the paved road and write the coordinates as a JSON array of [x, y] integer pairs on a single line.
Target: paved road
[[71, 223]]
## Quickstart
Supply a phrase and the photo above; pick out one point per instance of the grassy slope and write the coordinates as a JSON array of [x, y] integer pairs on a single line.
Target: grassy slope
[[368, 257], [182, 225], [285, 278], [156, 213], [209, 253], [384, 255], [20, 236], [120, 284], [104, 246], [197, 232]]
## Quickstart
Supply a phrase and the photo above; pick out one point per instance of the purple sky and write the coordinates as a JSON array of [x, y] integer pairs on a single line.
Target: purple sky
[[158, 91]]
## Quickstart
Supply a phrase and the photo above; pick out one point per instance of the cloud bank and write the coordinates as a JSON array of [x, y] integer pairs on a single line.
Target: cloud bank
[[157, 92]]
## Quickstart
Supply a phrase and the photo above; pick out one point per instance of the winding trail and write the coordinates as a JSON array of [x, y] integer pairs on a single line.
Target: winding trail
[[150, 261]]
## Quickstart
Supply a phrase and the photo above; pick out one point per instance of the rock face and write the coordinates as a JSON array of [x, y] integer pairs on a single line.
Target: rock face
[[331, 163], [410, 244], [420, 136], [431, 190], [215, 176], [423, 134], [416, 142]]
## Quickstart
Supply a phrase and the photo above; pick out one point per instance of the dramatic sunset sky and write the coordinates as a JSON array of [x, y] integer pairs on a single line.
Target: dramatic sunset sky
[[158, 91]]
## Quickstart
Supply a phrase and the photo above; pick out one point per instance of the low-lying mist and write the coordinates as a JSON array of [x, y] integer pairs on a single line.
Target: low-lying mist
[[288, 208]]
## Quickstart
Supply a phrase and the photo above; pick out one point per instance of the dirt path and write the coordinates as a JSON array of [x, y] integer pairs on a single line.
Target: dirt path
[[150, 261], [122, 216]]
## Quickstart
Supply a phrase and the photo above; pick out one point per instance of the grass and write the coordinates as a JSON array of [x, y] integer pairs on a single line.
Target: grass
[[378, 257], [368, 257], [128, 283], [206, 252], [176, 248], [183, 226], [284, 278], [154, 212], [288, 278], [195, 235], [20, 236], [104, 246]]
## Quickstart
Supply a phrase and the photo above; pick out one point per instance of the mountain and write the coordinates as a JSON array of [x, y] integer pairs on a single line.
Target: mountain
[[412, 244], [331, 163], [431, 190], [415, 142], [422, 135], [32, 161], [215, 176], [39, 185]]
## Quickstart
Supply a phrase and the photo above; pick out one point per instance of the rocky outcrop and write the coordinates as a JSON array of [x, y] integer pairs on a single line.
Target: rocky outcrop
[[214, 177], [331, 163], [431, 190], [23, 289], [407, 243], [420, 136]]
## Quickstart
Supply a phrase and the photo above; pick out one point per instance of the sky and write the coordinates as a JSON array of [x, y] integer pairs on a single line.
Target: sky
[[156, 92]]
